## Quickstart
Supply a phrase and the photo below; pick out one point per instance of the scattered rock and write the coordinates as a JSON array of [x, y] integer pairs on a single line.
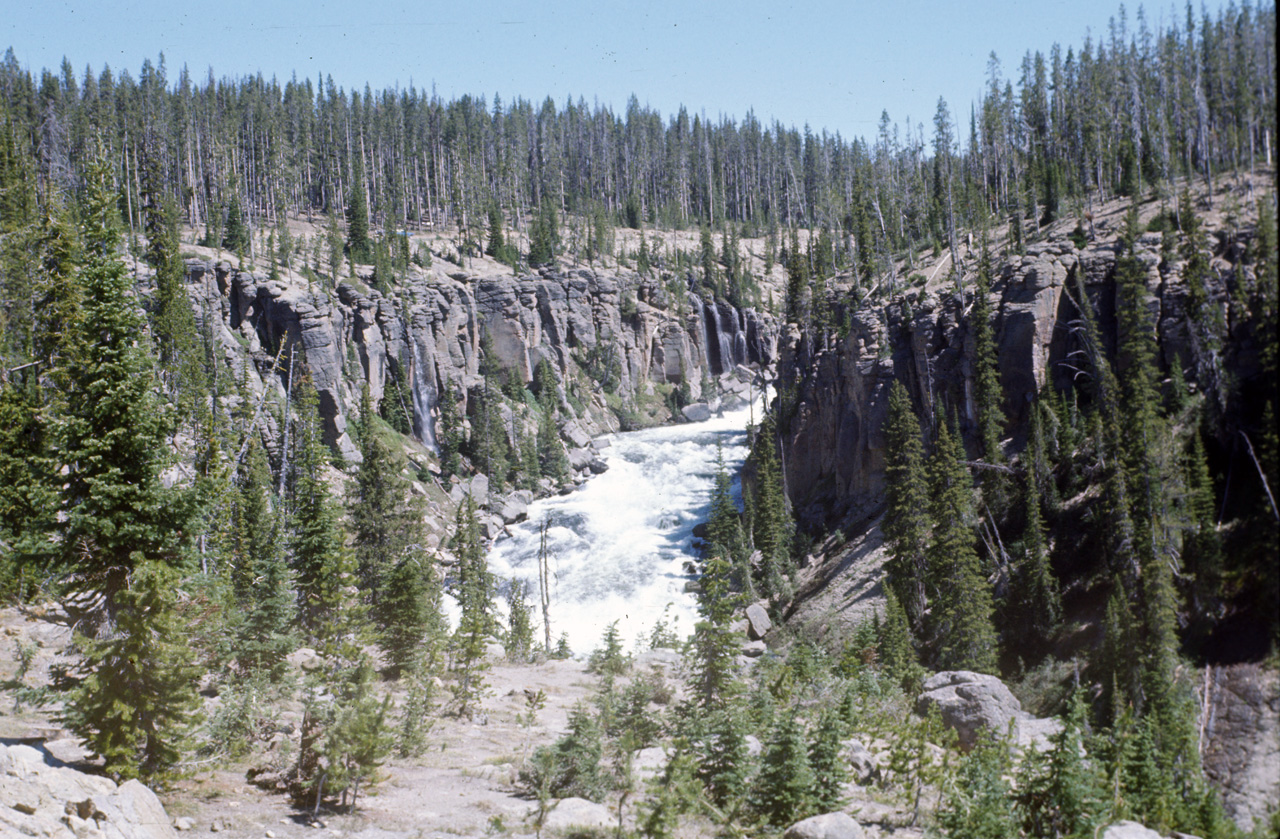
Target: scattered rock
[[184, 823], [754, 649], [826, 826], [758, 623]]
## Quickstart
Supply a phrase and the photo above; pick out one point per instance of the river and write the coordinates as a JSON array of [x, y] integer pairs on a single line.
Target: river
[[619, 544]]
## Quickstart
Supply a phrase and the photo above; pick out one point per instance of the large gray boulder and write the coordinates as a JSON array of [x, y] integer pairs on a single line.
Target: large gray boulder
[[826, 826], [973, 702], [39, 796], [697, 412]]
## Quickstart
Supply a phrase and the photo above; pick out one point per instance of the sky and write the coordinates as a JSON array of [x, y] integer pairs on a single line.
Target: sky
[[831, 65]]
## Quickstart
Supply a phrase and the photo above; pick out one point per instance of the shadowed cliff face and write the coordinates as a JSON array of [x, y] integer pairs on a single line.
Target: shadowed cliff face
[[430, 330], [836, 387]]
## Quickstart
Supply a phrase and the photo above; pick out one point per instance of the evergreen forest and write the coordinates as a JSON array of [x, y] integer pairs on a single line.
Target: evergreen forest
[[269, 555]]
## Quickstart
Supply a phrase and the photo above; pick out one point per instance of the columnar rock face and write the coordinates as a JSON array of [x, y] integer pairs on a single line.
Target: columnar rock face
[[838, 387], [429, 333]]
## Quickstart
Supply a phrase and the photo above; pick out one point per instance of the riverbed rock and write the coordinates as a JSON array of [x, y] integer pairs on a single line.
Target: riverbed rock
[[758, 622], [826, 826], [513, 509], [697, 412]]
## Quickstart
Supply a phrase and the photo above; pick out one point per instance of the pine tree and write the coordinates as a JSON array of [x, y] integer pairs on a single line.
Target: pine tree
[[236, 235], [725, 762], [518, 642], [1061, 794], [28, 488], [474, 593], [115, 512], [906, 518], [173, 323], [724, 527], [965, 637], [322, 565], [1035, 598], [771, 526], [449, 433], [409, 613], [385, 521], [895, 650], [979, 805], [783, 791], [260, 579], [544, 243], [827, 760], [358, 741], [133, 698], [358, 243], [988, 395], [714, 645], [1201, 545]]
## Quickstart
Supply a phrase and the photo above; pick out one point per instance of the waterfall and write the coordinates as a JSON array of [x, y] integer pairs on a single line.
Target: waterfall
[[700, 308], [424, 399]]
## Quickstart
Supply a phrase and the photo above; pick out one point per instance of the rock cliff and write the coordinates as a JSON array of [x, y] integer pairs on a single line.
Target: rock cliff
[[835, 387], [427, 331]]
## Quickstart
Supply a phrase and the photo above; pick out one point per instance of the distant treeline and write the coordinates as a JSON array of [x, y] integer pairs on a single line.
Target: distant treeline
[[1134, 106]]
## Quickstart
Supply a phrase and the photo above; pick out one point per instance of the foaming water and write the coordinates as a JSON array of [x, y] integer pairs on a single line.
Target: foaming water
[[619, 544]]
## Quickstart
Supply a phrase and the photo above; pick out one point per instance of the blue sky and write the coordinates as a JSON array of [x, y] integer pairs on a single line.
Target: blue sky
[[832, 65]]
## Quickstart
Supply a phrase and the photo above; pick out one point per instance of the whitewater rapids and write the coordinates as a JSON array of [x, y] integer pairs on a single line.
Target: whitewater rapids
[[620, 544]]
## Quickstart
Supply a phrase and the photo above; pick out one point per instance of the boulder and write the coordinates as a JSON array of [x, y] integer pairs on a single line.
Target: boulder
[[758, 623], [513, 509], [578, 812], [826, 826], [862, 763], [41, 797], [697, 412], [754, 649], [575, 434], [972, 702], [305, 659], [1129, 830], [580, 459], [598, 466]]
